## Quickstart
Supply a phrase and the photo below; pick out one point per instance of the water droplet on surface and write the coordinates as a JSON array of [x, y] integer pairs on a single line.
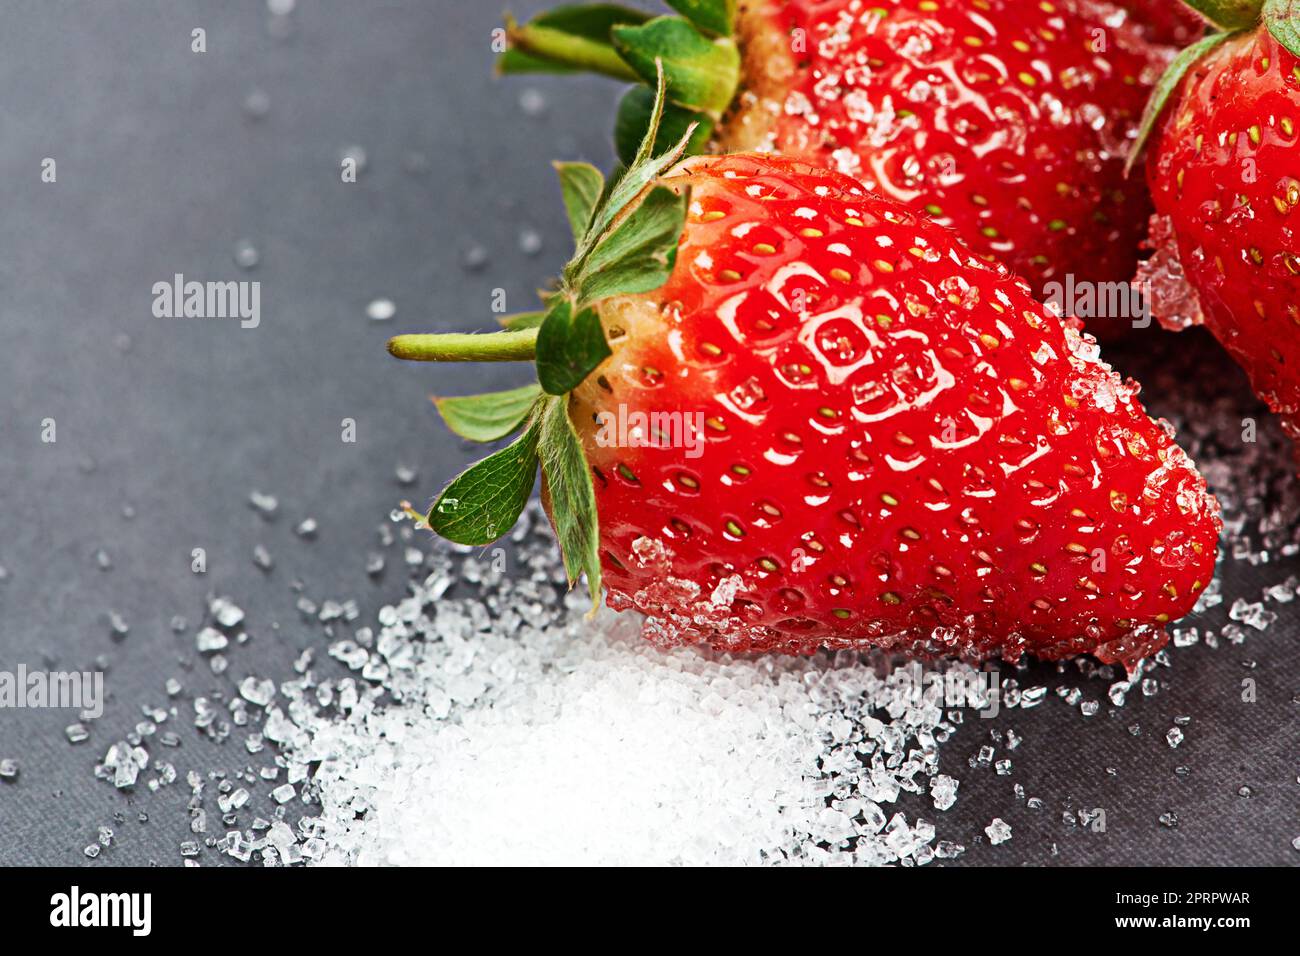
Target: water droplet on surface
[[246, 254], [532, 101], [257, 104], [530, 242], [381, 310]]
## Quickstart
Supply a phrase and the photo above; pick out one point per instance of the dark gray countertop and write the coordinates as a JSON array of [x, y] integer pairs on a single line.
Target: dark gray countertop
[[161, 169]]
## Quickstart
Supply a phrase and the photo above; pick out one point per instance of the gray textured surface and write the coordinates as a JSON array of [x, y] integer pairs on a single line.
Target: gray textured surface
[[160, 171]]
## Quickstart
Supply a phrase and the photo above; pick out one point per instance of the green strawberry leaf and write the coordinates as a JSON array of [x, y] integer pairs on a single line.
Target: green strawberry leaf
[[702, 74], [713, 16], [483, 502], [569, 347], [645, 153], [574, 37], [1227, 14], [515, 61], [1167, 84], [593, 21], [611, 183], [634, 113], [566, 478], [622, 192], [1282, 18], [490, 416], [582, 186], [638, 254]]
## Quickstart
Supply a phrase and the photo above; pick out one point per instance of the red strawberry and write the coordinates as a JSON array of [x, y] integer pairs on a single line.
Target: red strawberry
[[1008, 120], [1225, 176], [833, 425]]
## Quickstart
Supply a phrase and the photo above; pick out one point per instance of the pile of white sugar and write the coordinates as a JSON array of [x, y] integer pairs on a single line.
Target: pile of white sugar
[[519, 732]]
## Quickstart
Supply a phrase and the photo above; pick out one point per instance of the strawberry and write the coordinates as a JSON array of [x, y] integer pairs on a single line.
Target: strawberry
[[1224, 172], [1008, 120], [806, 416]]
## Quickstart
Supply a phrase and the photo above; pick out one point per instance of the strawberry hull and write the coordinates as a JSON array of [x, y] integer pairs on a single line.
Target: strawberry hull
[[899, 447]]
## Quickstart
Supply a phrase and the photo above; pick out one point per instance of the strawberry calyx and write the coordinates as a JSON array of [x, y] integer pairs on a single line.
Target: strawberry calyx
[[1281, 18], [1228, 14], [1164, 88], [696, 51], [625, 233]]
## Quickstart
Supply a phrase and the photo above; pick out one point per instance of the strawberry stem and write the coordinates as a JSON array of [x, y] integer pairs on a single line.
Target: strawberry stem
[[569, 49], [509, 346]]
